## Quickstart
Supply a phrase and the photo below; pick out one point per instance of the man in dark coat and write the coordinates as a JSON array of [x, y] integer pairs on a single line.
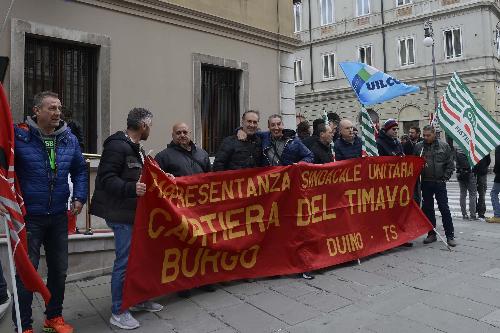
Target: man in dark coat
[[348, 145], [321, 146], [437, 171], [495, 190], [480, 170], [387, 141], [467, 183], [117, 187], [182, 157], [235, 154], [414, 138]]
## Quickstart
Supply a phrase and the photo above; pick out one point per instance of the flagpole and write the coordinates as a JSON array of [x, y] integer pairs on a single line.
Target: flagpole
[[13, 274]]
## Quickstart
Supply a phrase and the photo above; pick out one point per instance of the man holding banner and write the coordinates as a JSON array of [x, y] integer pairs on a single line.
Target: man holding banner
[[437, 171]]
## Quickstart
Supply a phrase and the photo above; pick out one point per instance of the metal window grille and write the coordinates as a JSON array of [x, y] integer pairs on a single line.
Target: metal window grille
[[70, 70]]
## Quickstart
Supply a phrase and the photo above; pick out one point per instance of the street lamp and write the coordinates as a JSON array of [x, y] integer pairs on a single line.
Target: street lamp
[[429, 42]]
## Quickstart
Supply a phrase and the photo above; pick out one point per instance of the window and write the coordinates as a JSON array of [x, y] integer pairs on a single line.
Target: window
[[363, 7], [297, 71], [220, 105], [406, 51], [365, 54], [453, 43], [403, 2], [70, 70], [498, 42], [328, 66], [297, 14], [326, 11]]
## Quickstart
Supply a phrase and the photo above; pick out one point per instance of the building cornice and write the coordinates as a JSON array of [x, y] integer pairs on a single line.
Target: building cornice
[[188, 18]]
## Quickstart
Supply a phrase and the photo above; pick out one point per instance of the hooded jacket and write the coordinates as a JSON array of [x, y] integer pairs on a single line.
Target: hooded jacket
[[120, 167], [46, 192], [388, 146], [181, 162]]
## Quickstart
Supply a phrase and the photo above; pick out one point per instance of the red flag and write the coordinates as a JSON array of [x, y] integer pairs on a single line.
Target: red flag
[[10, 197]]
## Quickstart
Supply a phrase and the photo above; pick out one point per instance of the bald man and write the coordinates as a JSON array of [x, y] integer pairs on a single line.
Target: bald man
[[182, 157], [348, 145]]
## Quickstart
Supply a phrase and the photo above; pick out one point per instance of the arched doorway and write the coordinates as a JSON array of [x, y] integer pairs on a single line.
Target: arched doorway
[[408, 117]]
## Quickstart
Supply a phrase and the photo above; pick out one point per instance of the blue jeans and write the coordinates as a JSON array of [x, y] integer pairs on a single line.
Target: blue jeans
[[494, 199], [123, 237], [437, 189], [51, 231]]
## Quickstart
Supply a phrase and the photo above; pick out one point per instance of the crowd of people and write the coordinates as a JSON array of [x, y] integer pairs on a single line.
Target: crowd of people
[[47, 152]]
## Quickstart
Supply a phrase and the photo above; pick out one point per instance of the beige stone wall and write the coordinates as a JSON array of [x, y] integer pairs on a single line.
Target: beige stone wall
[[151, 61], [261, 14]]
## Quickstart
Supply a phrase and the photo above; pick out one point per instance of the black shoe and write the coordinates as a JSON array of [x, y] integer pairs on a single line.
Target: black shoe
[[408, 244], [209, 288], [465, 217], [430, 239], [184, 293], [307, 276]]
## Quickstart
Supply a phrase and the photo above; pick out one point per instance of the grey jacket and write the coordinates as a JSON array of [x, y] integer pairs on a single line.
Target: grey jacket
[[439, 160]]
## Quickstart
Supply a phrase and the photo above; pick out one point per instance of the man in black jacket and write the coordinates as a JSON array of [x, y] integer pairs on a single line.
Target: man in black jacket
[[117, 187], [348, 145], [182, 157], [387, 141], [414, 138], [481, 172], [495, 190], [467, 183], [235, 154], [321, 146]]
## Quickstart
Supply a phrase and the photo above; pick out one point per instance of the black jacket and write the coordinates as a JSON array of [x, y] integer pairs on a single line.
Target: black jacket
[[115, 198], [234, 154], [439, 160], [481, 168], [497, 164], [310, 140], [387, 146], [409, 146], [322, 153], [345, 150], [180, 162], [3, 160]]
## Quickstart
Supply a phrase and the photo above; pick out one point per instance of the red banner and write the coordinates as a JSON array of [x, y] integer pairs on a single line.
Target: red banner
[[213, 227]]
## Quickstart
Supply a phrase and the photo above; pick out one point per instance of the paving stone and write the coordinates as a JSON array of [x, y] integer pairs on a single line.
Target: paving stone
[[295, 289], [214, 300], [492, 318], [94, 281], [493, 273], [392, 301], [324, 301], [92, 324], [245, 289], [444, 320], [458, 305], [247, 318], [97, 291], [282, 307], [400, 325]]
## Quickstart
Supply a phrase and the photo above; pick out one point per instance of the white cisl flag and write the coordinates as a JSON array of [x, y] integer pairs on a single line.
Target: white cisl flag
[[467, 122]]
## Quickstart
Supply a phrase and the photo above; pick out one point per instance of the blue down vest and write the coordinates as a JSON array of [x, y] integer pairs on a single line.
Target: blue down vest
[[46, 192]]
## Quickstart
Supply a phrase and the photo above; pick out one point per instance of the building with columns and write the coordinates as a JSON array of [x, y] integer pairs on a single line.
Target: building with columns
[[199, 62], [389, 34]]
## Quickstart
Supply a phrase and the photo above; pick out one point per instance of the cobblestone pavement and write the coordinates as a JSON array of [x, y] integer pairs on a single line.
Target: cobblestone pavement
[[419, 289]]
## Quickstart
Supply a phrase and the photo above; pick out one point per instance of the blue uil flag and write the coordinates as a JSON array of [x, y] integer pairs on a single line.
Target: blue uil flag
[[373, 86]]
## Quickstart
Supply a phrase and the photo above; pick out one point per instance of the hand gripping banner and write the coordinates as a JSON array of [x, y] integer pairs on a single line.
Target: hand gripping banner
[[208, 228]]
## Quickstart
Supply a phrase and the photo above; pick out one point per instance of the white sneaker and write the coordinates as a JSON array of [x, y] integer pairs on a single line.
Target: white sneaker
[[147, 306], [124, 320], [5, 306]]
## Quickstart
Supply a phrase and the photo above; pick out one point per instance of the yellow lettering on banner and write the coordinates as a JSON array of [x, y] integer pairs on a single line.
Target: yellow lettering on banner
[[274, 216], [391, 197], [228, 266], [253, 258], [227, 191], [380, 199], [207, 258], [170, 268], [368, 197], [208, 219], [344, 244], [404, 196], [390, 232], [203, 192], [263, 184], [285, 183], [350, 194], [192, 272], [214, 191], [155, 233], [190, 195], [251, 190], [313, 210], [238, 182], [250, 218], [232, 224], [301, 212]]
